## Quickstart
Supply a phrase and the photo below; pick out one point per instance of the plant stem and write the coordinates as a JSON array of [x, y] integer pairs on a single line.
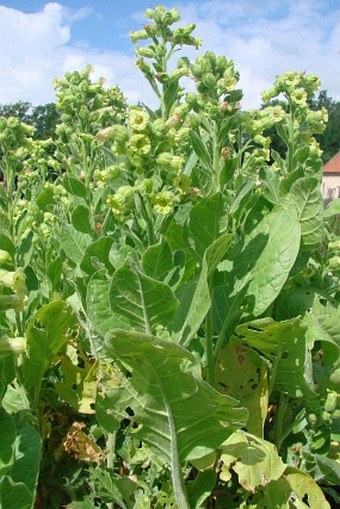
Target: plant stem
[[216, 160], [209, 348], [282, 407], [111, 444]]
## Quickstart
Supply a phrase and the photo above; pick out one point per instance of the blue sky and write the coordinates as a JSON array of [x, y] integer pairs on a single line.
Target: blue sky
[[40, 40]]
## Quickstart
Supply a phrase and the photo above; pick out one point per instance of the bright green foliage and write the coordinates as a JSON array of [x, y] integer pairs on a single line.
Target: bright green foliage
[[169, 295]]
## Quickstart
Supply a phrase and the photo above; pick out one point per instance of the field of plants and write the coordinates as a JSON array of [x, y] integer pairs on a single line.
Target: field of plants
[[169, 295]]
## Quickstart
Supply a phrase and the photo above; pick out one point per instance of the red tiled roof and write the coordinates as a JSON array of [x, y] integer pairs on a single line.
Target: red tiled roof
[[333, 166]]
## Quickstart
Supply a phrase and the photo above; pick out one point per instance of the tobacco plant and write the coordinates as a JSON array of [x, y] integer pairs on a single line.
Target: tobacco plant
[[169, 295]]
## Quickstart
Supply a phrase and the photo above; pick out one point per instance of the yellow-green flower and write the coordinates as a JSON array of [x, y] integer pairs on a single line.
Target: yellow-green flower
[[277, 113], [140, 144], [121, 203], [164, 202], [138, 119], [291, 78], [299, 97]]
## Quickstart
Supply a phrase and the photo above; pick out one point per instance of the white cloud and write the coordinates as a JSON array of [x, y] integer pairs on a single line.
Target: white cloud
[[263, 38]]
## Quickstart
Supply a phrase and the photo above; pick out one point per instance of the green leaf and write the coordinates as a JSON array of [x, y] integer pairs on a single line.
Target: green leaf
[[286, 345], [306, 490], [81, 219], [296, 302], [7, 245], [74, 186], [157, 261], [260, 265], [96, 256], [333, 208], [272, 182], [200, 148], [329, 469], [20, 450], [255, 461], [139, 302], [170, 94], [305, 196], [98, 307], [8, 434], [172, 408], [201, 488], [45, 199], [242, 374], [4, 224], [74, 243], [207, 220], [79, 384], [54, 272], [7, 374], [200, 301], [324, 325], [14, 495], [47, 332]]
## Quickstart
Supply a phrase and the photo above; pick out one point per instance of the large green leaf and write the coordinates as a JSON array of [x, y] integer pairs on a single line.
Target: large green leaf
[[19, 462], [259, 266], [7, 373], [206, 222], [47, 332], [294, 490], [101, 318], [96, 256], [139, 302], [255, 461], [81, 219], [242, 373], [305, 196], [200, 149], [74, 243], [333, 208], [8, 434], [170, 406], [14, 495], [286, 345], [200, 301], [305, 490], [157, 261], [74, 186], [324, 325]]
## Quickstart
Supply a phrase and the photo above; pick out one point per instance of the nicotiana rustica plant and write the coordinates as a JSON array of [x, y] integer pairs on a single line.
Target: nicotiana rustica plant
[[169, 294]]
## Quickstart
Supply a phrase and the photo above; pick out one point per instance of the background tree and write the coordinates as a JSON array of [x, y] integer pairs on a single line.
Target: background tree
[[43, 118]]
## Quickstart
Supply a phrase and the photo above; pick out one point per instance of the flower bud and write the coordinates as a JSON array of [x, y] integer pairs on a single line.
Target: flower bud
[[145, 52], [138, 35], [5, 256], [12, 345]]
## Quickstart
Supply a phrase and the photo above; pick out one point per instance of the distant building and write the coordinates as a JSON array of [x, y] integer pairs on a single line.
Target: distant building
[[331, 179]]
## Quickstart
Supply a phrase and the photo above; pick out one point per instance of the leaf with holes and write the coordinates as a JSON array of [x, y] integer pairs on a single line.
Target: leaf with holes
[[285, 343], [242, 374], [47, 332], [255, 461], [170, 406]]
